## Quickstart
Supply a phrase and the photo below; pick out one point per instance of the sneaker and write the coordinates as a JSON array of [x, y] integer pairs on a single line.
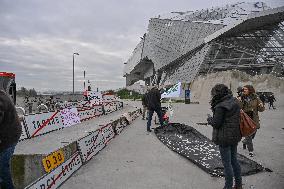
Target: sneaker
[[149, 130], [251, 154]]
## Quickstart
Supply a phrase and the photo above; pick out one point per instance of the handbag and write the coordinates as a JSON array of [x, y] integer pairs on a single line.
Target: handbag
[[247, 125]]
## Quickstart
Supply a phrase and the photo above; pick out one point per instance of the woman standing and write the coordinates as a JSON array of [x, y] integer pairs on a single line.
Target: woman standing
[[251, 104], [226, 132]]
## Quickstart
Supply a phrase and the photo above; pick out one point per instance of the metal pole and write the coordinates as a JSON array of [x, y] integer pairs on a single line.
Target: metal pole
[[73, 73]]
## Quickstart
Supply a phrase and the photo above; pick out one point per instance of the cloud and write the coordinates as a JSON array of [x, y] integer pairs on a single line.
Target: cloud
[[38, 38]]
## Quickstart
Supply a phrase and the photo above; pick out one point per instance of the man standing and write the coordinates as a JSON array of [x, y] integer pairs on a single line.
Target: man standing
[[10, 132], [153, 100], [271, 100]]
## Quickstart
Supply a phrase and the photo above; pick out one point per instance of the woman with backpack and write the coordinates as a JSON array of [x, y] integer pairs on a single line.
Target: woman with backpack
[[251, 105], [226, 132]]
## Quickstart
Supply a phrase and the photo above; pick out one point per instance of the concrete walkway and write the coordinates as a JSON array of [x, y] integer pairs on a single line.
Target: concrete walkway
[[137, 160]]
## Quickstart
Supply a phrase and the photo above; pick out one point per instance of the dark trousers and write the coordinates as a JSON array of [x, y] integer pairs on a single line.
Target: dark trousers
[[231, 165], [150, 114], [271, 105], [248, 142], [5, 173]]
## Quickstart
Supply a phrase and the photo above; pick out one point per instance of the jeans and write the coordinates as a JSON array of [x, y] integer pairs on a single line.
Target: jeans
[[231, 165], [150, 114], [248, 142], [5, 173]]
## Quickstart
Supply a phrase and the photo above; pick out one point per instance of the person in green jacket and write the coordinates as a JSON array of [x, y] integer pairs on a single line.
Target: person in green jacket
[[251, 105]]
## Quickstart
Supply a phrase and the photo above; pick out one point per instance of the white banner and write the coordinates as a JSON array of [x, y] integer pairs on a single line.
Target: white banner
[[38, 124], [91, 145], [120, 125], [119, 105], [109, 107], [109, 98], [95, 97], [24, 134], [89, 113], [70, 117], [56, 177], [174, 91], [108, 133]]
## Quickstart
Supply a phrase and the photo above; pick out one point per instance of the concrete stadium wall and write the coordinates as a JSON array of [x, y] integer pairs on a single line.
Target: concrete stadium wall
[[202, 85]]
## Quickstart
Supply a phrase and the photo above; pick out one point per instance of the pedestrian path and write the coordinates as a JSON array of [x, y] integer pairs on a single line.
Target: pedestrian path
[[138, 160]]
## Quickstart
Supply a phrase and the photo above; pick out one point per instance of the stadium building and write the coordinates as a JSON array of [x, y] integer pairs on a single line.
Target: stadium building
[[182, 45]]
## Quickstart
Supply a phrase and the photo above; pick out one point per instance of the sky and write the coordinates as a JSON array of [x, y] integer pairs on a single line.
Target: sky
[[38, 38]]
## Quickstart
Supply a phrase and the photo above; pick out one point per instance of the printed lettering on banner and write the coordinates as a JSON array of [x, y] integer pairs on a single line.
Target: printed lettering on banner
[[108, 132], [95, 97], [120, 125], [24, 133], [98, 110], [56, 177], [119, 105], [128, 117], [109, 98], [70, 117], [53, 160], [109, 107], [38, 124], [85, 114], [91, 145]]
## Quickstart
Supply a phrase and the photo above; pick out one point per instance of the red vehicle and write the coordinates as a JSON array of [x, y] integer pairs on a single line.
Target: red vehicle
[[8, 84]]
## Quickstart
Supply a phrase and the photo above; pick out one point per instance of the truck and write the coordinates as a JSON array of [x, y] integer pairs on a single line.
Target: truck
[[8, 84]]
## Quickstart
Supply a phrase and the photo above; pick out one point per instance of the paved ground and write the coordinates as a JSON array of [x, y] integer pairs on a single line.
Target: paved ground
[[137, 160]]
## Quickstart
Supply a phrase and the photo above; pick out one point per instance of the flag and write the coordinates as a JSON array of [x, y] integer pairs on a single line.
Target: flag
[[174, 91]]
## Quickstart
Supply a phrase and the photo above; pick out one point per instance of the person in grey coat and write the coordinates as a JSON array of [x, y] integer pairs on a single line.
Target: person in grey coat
[[226, 132], [10, 132]]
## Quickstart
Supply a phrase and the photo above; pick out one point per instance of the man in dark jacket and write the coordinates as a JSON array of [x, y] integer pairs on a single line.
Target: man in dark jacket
[[153, 100], [271, 100], [226, 132], [10, 132]]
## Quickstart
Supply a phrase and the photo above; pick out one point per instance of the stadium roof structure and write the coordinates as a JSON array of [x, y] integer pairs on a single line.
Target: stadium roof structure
[[182, 45]]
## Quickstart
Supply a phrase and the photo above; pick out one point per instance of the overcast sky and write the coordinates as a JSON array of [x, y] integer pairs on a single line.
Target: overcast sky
[[38, 38]]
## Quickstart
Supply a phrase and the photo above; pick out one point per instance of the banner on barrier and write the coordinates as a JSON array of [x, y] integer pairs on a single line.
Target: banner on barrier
[[127, 117], [70, 117], [56, 177], [90, 145], [38, 124], [119, 105], [109, 98], [95, 97], [120, 125], [109, 107], [24, 133], [89, 113], [108, 132]]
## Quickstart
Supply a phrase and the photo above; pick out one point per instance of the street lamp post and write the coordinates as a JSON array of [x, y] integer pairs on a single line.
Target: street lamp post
[[73, 70]]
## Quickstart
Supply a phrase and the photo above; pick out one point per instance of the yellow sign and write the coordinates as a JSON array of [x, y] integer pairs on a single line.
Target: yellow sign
[[53, 160]]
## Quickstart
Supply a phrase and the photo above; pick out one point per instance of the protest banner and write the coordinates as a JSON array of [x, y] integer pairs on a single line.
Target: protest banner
[[38, 124], [56, 177], [108, 132], [90, 145], [70, 117]]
